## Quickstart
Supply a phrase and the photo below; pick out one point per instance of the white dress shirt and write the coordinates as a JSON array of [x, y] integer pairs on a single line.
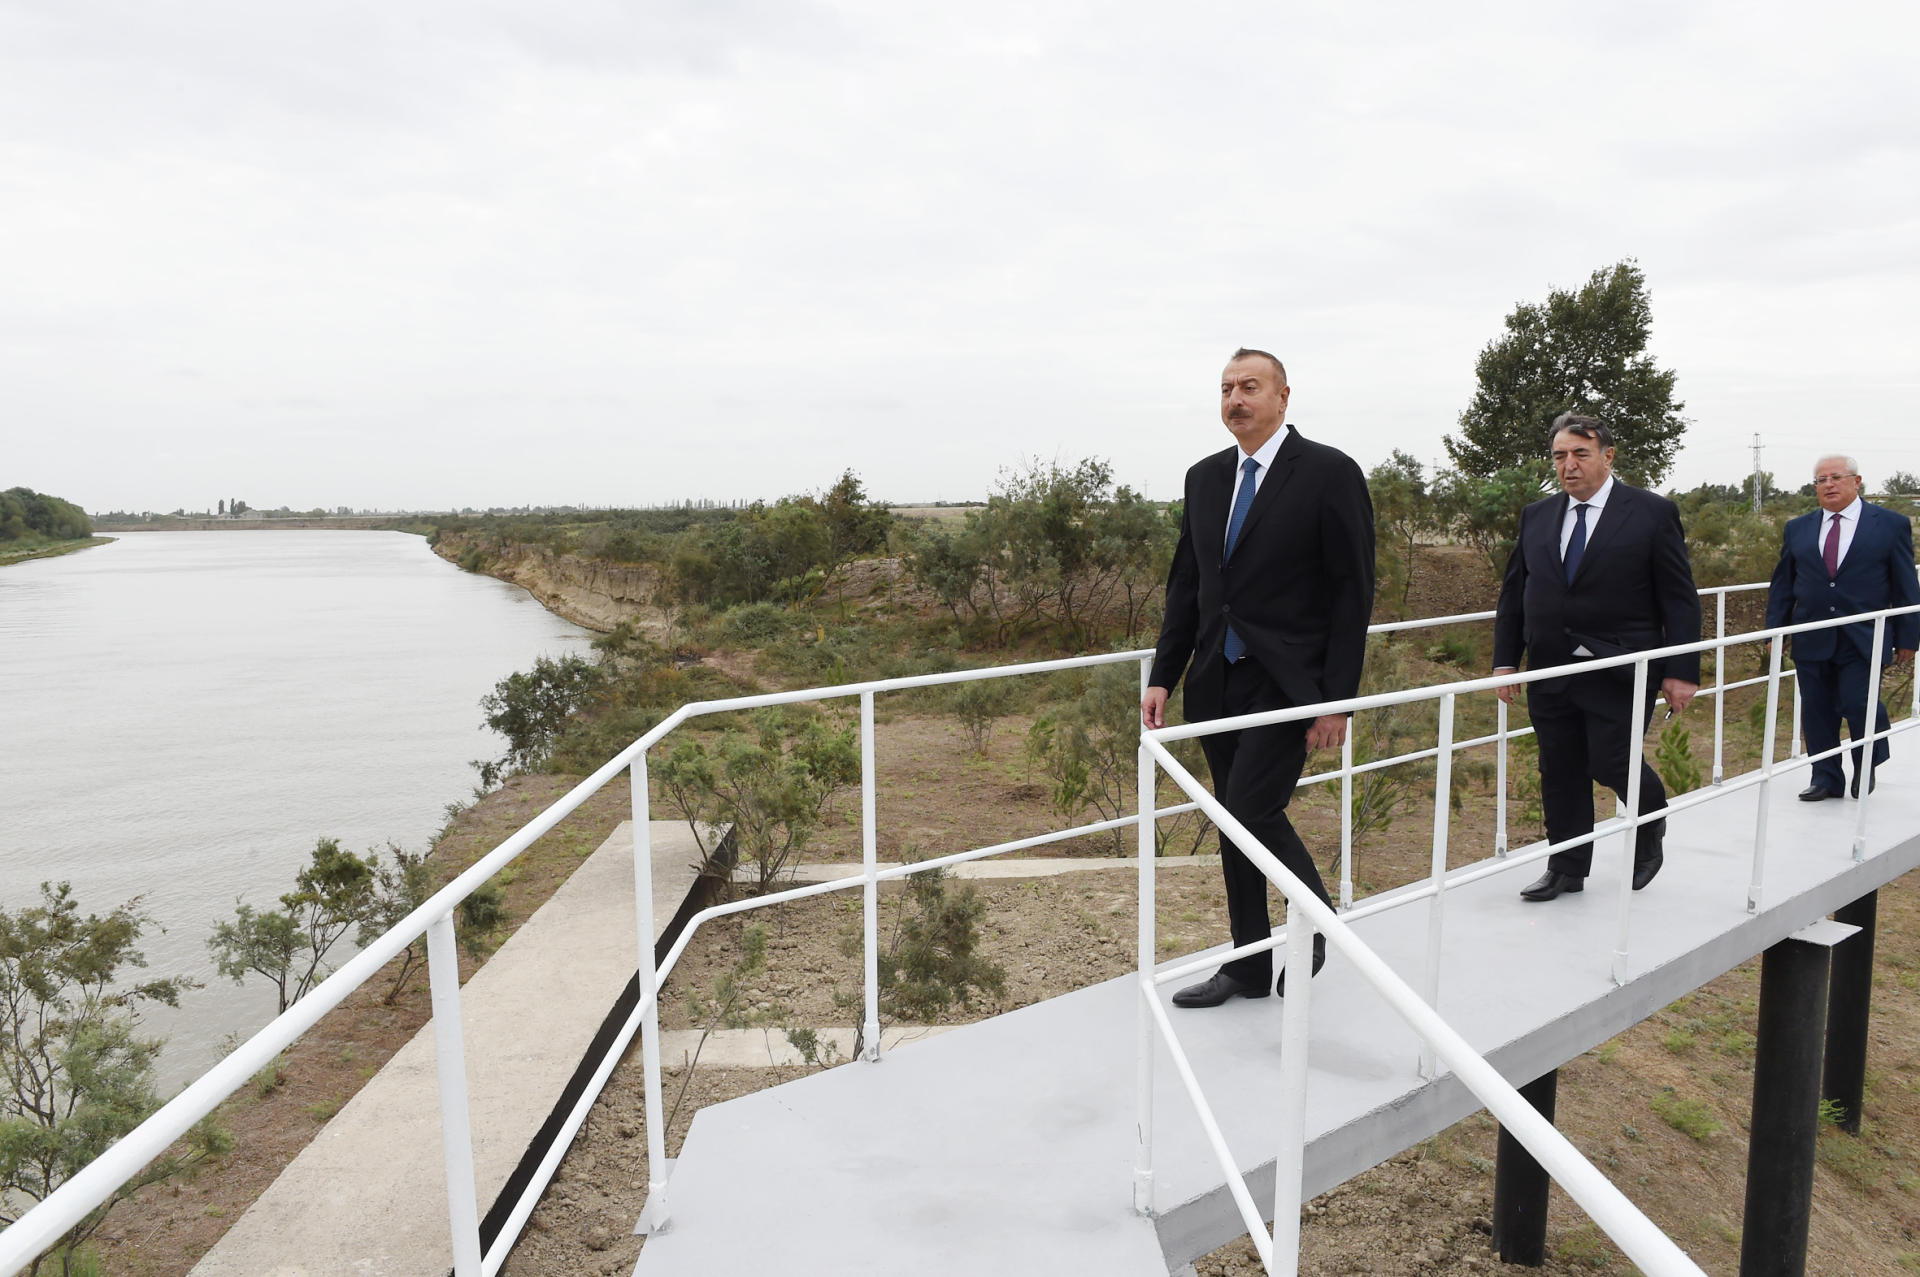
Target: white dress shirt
[[1849, 523], [1268, 451], [1596, 504]]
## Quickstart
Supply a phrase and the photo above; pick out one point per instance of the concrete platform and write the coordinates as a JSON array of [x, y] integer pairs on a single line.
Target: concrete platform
[[1007, 1146], [368, 1196]]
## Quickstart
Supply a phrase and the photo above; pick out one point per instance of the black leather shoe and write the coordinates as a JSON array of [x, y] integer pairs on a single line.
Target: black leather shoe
[[1214, 991], [1817, 794], [1319, 960], [1647, 863], [1873, 782], [1554, 883]]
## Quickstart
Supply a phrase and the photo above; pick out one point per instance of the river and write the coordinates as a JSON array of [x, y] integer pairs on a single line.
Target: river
[[182, 715]]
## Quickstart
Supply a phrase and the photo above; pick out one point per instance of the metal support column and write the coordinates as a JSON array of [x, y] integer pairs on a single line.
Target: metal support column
[[1786, 1101], [1849, 995], [1520, 1186]]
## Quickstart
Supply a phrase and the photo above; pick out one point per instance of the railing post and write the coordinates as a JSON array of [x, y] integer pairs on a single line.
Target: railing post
[[653, 1215], [1500, 782], [1767, 746], [1437, 875], [1720, 691], [1346, 815], [870, 864], [1289, 1158], [456, 1132], [1147, 777], [1636, 762], [1863, 769], [1799, 742]]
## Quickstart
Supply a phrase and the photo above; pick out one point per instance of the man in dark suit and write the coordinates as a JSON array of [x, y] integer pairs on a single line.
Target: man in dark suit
[[1598, 571], [1847, 556], [1268, 597]]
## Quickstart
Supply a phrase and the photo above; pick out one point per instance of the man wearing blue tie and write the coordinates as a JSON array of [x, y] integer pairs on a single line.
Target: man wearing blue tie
[[1599, 570], [1846, 557], [1267, 606]]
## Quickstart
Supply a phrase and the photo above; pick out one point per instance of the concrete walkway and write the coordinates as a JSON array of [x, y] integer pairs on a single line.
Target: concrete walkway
[[368, 1195]]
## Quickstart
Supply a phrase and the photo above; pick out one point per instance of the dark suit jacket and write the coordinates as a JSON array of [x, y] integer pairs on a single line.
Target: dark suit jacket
[[1634, 589], [1877, 573], [1299, 588]]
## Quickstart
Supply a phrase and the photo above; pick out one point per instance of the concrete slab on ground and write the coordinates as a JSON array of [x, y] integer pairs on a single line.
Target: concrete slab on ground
[[1007, 1146], [368, 1195], [1048, 867]]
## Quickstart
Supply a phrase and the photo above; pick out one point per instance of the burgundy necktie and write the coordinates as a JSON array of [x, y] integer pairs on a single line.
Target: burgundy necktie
[[1832, 553]]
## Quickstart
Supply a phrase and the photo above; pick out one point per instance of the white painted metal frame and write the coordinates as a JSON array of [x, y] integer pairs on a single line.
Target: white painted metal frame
[[43, 1225], [1641, 1241]]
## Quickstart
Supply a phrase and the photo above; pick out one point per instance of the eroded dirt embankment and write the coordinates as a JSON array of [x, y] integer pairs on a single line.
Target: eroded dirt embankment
[[589, 592]]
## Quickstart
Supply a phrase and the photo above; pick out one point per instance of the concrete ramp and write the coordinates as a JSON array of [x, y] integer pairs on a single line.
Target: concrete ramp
[[1006, 1147], [368, 1195]]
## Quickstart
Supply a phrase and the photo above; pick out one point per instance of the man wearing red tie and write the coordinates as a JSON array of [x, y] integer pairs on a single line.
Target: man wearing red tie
[[1846, 557]]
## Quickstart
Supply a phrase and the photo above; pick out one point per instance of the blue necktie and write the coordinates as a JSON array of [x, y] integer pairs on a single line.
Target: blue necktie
[[1577, 546], [1236, 647]]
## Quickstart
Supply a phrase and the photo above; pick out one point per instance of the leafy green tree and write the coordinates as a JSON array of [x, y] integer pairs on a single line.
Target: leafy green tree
[[1402, 511], [1485, 512], [399, 887], [26, 513], [334, 892], [77, 1073], [530, 708], [1582, 351], [1902, 482], [771, 787], [1055, 546]]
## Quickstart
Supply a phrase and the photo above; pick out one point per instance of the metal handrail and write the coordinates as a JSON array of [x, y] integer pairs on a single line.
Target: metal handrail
[[41, 1226], [1650, 1249]]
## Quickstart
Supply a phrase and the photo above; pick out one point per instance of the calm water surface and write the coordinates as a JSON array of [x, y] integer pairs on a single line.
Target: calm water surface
[[182, 714]]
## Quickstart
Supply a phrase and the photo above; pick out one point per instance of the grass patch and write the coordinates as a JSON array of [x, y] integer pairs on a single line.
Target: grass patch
[[1691, 1118], [270, 1076], [1586, 1245]]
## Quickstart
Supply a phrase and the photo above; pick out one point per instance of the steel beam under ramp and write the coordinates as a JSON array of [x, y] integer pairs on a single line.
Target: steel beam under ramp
[[1007, 1147]]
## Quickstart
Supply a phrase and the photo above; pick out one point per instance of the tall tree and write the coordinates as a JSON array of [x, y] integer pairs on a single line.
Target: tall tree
[[1581, 351]]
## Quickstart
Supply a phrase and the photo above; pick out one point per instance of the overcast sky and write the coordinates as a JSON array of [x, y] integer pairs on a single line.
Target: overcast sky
[[495, 252]]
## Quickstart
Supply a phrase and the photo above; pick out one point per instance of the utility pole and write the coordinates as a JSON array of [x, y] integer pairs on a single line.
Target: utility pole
[[1756, 472]]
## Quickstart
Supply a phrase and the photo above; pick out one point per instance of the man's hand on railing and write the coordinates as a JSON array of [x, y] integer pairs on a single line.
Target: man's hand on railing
[[1679, 693], [1901, 655], [1511, 690], [1329, 731], [1153, 708]]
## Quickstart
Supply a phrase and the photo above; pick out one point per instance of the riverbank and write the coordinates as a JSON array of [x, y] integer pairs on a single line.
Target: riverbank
[[595, 593], [15, 553]]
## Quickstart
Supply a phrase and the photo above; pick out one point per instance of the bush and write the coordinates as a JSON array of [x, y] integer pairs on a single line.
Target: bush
[[977, 706]]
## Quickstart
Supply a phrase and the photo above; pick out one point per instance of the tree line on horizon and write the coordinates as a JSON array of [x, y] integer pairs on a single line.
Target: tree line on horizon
[[26, 514]]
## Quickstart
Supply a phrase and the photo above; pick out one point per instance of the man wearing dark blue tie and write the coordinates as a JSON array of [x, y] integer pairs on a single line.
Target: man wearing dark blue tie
[[1599, 570], [1846, 557], [1268, 597]]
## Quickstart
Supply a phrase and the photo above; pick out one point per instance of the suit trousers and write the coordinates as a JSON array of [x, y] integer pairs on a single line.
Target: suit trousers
[[1828, 691], [1254, 774], [1585, 730]]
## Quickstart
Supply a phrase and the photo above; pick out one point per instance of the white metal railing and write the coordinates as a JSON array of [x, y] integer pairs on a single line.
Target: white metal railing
[[1643, 1243], [46, 1222]]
